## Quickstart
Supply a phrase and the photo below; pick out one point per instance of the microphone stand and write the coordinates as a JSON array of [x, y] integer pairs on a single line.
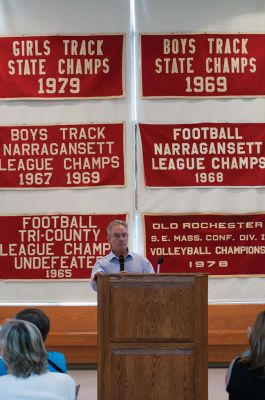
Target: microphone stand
[[159, 262], [121, 261]]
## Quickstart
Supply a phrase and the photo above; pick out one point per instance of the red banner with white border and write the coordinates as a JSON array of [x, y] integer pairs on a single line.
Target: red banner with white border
[[69, 66], [79, 156], [226, 244], [60, 246], [203, 65], [204, 154]]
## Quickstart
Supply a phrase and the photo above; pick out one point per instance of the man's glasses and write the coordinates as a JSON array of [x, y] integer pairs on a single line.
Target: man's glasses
[[119, 235]]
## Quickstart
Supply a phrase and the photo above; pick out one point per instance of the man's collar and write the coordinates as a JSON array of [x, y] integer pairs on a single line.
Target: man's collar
[[112, 255]]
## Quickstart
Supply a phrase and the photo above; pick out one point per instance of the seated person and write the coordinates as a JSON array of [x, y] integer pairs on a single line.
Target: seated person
[[56, 361], [245, 379], [22, 349]]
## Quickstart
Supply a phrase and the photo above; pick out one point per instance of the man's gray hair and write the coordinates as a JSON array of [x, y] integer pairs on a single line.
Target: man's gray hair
[[116, 222], [22, 348]]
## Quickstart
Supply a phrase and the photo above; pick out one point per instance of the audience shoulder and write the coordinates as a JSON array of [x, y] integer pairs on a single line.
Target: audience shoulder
[[64, 378], [229, 371]]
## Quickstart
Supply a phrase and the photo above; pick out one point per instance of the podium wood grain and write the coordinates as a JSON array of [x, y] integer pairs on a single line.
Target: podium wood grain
[[74, 330], [152, 337]]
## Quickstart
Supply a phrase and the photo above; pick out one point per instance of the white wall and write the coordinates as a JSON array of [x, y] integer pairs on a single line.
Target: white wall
[[19, 17], [193, 16]]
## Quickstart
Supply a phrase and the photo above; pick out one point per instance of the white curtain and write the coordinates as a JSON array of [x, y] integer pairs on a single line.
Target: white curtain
[[18, 17], [154, 16]]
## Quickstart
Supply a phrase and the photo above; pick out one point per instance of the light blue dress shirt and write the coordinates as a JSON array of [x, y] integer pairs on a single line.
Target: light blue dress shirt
[[133, 263]]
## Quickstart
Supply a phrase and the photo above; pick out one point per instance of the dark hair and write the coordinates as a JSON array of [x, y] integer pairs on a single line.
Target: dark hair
[[257, 344], [22, 348], [36, 317]]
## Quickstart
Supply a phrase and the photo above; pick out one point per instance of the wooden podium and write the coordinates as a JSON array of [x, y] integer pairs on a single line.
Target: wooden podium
[[152, 337]]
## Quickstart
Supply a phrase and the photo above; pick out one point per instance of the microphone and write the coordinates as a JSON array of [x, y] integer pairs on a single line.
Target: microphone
[[159, 262], [121, 260]]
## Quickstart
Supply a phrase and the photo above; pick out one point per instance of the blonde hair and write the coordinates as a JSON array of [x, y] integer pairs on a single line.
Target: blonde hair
[[22, 348]]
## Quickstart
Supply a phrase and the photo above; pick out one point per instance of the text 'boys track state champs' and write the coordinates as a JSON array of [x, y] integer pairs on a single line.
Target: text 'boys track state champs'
[[203, 65]]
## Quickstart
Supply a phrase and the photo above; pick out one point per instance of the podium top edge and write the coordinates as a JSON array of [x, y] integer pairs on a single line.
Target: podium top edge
[[150, 276]]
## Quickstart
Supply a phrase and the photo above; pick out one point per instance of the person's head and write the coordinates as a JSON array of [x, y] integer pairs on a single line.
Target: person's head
[[36, 317], [257, 344], [257, 337], [118, 236], [22, 348]]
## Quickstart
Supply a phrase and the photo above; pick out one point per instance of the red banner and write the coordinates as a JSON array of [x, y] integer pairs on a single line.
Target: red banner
[[51, 67], [203, 154], [203, 65], [52, 246], [213, 244], [89, 155]]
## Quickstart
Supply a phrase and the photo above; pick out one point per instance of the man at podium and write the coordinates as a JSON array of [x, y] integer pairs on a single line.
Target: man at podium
[[120, 259]]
